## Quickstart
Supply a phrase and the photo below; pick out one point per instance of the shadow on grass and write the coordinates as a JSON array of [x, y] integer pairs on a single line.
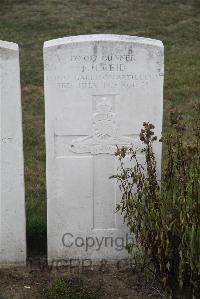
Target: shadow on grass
[[36, 236]]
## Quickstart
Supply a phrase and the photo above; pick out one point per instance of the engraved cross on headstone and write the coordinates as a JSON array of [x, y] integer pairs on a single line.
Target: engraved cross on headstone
[[102, 144]]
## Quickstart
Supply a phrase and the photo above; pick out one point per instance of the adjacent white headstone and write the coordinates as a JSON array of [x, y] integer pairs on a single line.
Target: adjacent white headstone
[[98, 91], [12, 200]]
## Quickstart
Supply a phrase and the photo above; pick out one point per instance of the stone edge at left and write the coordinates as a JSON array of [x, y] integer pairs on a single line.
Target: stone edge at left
[[12, 196]]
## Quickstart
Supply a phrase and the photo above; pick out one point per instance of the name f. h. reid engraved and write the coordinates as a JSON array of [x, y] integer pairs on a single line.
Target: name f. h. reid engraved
[[104, 138]]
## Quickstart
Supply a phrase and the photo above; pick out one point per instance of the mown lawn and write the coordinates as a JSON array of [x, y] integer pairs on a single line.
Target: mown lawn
[[30, 22]]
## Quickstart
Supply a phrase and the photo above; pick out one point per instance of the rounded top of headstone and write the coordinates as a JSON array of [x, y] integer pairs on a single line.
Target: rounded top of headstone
[[8, 45], [102, 37]]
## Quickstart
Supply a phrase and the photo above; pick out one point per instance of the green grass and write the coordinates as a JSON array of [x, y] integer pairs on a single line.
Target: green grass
[[63, 289], [30, 22]]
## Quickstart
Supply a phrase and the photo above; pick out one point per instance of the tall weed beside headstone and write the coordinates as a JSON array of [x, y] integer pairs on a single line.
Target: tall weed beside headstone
[[165, 219]]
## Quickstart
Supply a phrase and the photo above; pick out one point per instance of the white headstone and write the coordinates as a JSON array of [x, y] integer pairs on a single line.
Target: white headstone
[[98, 91], [12, 200]]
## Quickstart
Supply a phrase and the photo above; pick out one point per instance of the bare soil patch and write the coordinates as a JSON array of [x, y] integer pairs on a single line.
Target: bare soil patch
[[34, 282]]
